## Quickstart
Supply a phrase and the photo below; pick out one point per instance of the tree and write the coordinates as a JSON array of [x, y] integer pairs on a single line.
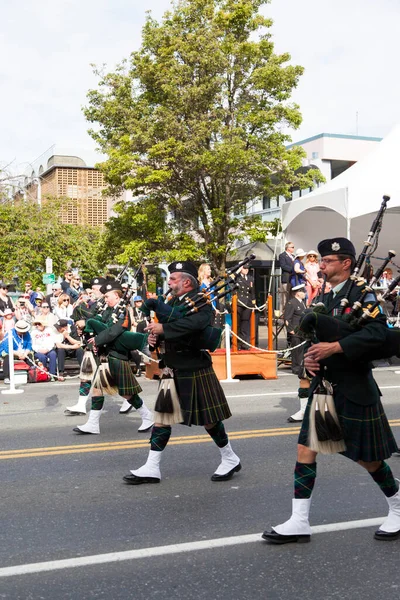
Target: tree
[[193, 122], [31, 232]]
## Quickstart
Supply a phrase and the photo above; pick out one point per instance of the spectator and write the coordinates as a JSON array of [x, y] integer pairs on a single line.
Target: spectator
[[298, 276], [313, 279], [52, 299], [43, 345], [22, 346], [38, 303], [204, 277], [32, 294], [66, 286], [8, 320], [46, 315], [64, 308], [286, 260], [76, 285], [5, 300], [24, 310], [66, 345]]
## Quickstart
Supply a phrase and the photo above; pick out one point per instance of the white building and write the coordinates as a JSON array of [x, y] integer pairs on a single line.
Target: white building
[[331, 153]]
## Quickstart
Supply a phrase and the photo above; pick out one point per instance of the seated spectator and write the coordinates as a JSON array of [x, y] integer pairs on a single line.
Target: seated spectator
[[22, 346], [52, 299], [43, 345], [47, 317], [64, 308], [5, 300], [66, 345], [24, 310], [8, 320], [38, 303]]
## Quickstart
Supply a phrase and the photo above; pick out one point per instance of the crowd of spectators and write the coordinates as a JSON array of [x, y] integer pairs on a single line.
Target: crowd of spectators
[[42, 325]]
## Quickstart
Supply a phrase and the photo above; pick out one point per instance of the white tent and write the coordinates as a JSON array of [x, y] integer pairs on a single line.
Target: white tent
[[346, 205]]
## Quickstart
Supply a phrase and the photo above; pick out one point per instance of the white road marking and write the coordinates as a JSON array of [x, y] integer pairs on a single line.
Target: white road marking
[[98, 559]]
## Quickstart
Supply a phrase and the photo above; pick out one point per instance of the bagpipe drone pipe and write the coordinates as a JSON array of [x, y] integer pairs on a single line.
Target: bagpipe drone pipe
[[210, 337]]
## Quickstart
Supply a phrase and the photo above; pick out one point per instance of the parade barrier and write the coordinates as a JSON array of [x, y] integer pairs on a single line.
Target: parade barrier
[[254, 361], [228, 362], [12, 389]]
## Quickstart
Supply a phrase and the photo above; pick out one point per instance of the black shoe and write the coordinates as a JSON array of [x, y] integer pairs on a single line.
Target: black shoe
[[277, 538], [228, 475], [396, 453], [134, 480], [291, 420], [77, 430], [139, 373], [73, 413], [386, 536], [125, 412]]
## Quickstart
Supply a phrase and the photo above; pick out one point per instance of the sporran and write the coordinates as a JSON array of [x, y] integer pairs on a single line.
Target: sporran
[[325, 434]]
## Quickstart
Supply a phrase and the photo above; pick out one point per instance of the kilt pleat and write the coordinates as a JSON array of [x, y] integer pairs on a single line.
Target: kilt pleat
[[201, 397], [366, 430], [124, 378]]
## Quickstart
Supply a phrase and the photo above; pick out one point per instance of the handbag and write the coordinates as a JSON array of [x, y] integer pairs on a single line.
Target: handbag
[[36, 375], [325, 434]]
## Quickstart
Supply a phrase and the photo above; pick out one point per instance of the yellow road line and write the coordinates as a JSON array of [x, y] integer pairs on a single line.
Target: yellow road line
[[136, 444]]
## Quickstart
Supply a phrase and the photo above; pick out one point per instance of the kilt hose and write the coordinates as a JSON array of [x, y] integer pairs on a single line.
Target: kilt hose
[[366, 430], [201, 397], [125, 380]]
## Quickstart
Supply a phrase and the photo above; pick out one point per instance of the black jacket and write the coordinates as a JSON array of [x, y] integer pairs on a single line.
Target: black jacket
[[351, 371], [286, 265], [180, 335], [294, 310]]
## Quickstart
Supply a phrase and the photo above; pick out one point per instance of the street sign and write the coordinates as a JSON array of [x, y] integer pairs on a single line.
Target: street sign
[[49, 266], [49, 278]]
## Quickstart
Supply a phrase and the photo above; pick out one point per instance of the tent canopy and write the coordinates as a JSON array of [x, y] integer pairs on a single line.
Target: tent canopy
[[347, 205]]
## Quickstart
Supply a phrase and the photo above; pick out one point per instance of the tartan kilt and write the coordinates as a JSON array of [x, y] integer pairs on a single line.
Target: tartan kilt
[[366, 430], [125, 380], [201, 397]]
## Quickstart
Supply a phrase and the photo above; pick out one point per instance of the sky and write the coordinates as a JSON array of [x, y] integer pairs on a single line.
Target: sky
[[348, 48]]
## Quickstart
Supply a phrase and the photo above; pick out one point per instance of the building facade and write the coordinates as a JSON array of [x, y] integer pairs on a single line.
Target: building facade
[[62, 174]]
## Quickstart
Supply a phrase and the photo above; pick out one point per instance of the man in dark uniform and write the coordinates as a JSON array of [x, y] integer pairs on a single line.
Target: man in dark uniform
[[294, 310], [201, 397], [118, 361], [246, 299], [366, 431], [286, 261]]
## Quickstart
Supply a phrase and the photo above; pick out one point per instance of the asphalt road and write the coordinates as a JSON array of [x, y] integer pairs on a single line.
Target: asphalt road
[[72, 529]]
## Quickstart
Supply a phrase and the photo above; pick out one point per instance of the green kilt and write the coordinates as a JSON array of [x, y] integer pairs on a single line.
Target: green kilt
[[366, 430], [201, 397], [125, 380]]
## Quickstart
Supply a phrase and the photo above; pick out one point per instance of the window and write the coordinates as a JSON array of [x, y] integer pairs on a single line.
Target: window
[[266, 202]]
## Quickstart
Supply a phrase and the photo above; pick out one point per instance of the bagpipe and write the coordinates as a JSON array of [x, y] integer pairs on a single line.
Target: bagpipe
[[318, 326], [210, 337]]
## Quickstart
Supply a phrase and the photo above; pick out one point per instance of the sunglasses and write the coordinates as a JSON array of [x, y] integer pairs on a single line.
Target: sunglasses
[[45, 306], [65, 301]]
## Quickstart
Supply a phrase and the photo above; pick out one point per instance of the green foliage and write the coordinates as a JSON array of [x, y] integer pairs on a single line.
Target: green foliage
[[193, 121], [31, 233]]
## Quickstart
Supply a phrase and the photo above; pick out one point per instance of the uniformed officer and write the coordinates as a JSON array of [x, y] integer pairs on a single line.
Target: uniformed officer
[[294, 310], [366, 431], [246, 299]]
